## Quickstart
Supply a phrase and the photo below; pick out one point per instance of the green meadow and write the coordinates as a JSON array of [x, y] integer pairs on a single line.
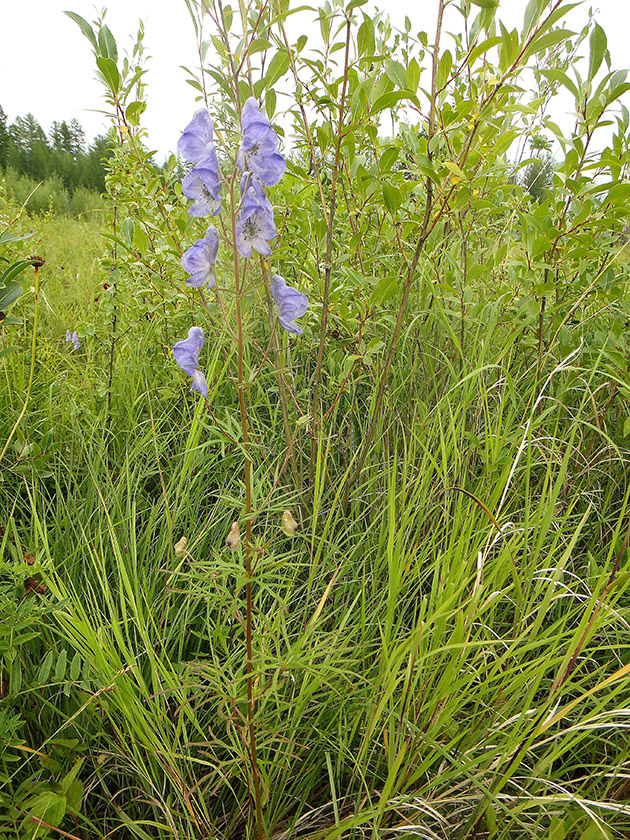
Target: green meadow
[[435, 642]]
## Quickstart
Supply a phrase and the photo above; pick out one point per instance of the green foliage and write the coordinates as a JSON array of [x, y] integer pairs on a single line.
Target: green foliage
[[62, 162], [50, 196]]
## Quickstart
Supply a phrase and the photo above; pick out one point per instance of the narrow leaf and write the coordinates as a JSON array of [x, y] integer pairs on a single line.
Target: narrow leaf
[[8, 294], [110, 73], [85, 28], [278, 66], [107, 44], [597, 49]]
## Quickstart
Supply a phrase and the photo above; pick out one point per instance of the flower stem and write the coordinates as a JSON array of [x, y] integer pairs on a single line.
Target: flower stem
[[248, 539], [328, 266], [282, 387]]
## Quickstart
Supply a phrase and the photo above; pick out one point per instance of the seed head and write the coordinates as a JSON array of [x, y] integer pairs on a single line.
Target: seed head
[[233, 539], [288, 524]]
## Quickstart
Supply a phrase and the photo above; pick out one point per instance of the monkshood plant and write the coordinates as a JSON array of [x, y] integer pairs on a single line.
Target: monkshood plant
[[226, 183], [250, 228]]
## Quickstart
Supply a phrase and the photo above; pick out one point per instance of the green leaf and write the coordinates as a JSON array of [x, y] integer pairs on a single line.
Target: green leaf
[[595, 831], [13, 348], [454, 168], [8, 294], [597, 49], [324, 25], [270, 103], [396, 72], [60, 667], [85, 28], [392, 197], [278, 66], [388, 100], [49, 807], [13, 271], [127, 230], [195, 84], [365, 37], [258, 45], [544, 42], [75, 666], [12, 237], [388, 158], [71, 776], [385, 289], [445, 65], [558, 76], [412, 76], [74, 795], [107, 44], [532, 14], [133, 111], [140, 239], [15, 682], [483, 48], [45, 668], [110, 73]]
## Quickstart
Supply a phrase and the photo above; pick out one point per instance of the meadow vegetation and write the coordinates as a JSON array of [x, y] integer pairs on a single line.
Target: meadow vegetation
[[440, 649]]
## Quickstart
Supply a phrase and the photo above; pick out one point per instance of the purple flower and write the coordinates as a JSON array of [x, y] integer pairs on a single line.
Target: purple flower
[[196, 142], [186, 355], [290, 304], [202, 184], [200, 260], [73, 339], [255, 225], [259, 150]]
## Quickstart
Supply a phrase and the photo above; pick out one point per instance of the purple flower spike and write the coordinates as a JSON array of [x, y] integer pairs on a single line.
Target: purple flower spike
[[290, 304], [259, 151], [202, 184], [255, 225], [186, 355], [200, 260], [196, 142], [73, 339]]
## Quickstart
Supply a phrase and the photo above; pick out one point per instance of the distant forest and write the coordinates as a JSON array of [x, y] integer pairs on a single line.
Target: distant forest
[[67, 168]]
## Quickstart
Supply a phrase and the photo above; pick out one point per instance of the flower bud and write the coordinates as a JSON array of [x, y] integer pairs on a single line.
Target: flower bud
[[288, 524], [233, 539]]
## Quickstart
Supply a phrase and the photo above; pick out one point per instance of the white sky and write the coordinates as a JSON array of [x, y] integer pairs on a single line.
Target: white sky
[[47, 68]]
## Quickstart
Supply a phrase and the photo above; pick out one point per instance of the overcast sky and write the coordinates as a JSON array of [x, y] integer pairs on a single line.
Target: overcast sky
[[47, 68]]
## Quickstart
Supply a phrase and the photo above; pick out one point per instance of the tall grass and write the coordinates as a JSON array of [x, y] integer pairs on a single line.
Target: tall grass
[[444, 657]]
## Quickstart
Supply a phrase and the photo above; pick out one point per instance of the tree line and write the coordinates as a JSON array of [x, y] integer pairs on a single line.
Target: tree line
[[62, 156]]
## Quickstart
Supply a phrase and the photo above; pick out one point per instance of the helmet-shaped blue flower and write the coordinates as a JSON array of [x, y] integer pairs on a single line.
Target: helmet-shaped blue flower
[[290, 303], [200, 260], [259, 149], [186, 355]]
